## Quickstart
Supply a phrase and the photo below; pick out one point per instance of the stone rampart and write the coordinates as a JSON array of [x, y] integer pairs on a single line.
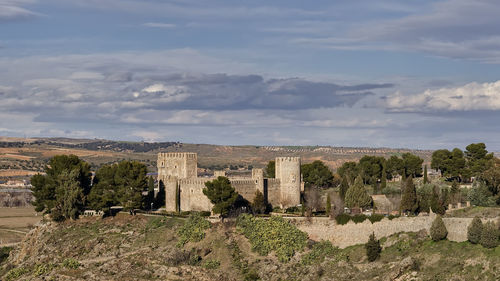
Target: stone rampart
[[342, 236]]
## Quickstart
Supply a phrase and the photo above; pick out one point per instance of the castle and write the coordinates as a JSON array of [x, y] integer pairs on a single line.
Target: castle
[[178, 172]]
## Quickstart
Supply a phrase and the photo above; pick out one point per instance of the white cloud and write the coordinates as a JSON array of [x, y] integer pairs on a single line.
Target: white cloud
[[470, 97], [159, 25], [12, 10]]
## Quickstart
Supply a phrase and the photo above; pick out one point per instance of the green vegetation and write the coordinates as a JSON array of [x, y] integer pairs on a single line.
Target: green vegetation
[[345, 218], [15, 273], [4, 253], [211, 264], [270, 169], [317, 174], [373, 248], [356, 196], [409, 196], [193, 230], [319, 252], [273, 234], [238, 261], [489, 235], [221, 194], [474, 230], [438, 229], [259, 203]]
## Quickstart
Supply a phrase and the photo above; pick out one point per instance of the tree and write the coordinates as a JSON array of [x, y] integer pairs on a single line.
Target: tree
[[159, 200], [373, 248], [62, 172], [383, 180], [395, 166], [437, 204], [150, 198], [426, 179], [328, 204], [317, 174], [474, 230], [478, 158], [439, 158], [455, 193], [356, 196], [412, 165], [344, 186], [104, 192], [312, 199], [69, 197], [271, 169], [131, 181], [438, 229], [409, 196], [370, 168], [491, 178], [221, 194], [452, 164], [489, 235], [348, 170], [259, 203], [479, 195]]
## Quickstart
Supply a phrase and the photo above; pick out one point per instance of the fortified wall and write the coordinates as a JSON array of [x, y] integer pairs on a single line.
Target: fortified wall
[[184, 189], [349, 234]]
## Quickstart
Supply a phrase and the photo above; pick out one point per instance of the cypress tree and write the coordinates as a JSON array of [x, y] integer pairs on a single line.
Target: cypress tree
[[438, 229], [373, 248], [426, 180], [328, 204], [474, 230], [344, 186], [383, 180], [356, 195], [409, 197], [259, 203]]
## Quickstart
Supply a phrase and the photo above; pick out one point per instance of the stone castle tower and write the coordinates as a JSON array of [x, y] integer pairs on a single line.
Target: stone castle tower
[[177, 172]]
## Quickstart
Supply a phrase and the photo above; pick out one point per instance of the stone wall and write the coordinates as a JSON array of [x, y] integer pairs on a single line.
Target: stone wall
[[191, 195], [273, 191], [245, 187], [351, 234]]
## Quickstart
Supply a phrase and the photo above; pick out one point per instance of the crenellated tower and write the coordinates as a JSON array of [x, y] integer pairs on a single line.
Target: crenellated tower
[[288, 172]]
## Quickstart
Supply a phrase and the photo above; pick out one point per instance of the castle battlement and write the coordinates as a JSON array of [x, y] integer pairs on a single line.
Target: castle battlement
[[288, 159], [183, 155], [200, 181]]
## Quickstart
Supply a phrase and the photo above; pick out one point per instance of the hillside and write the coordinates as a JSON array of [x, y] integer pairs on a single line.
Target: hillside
[[23, 157], [144, 248]]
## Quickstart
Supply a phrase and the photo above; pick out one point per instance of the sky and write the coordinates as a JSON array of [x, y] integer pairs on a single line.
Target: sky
[[402, 74]]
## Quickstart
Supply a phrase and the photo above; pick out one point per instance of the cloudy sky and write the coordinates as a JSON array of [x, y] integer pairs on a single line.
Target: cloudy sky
[[415, 74]]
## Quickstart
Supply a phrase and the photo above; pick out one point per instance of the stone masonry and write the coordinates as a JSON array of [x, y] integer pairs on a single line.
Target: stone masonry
[[177, 171]]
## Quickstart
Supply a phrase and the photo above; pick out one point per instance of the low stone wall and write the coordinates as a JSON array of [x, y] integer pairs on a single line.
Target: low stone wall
[[322, 228]]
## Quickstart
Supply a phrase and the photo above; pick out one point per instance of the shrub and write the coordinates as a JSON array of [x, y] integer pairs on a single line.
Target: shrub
[[342, 219], [15, 273], [4, 253], [375, 218], [71, 263], [275, 234], [211, 264], [373, 248], [438, 229], [318, 253], [474, 230], [193, 230], [358, 218], [41, 269], [391, 217], [489, 236]]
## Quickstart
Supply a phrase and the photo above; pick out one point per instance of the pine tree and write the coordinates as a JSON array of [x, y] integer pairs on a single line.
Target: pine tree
[[489, 235], [474, 230], [356, 196], [221, 194], [426, 180], [373, 248], [409, 197], [438, 229], [328, 204]]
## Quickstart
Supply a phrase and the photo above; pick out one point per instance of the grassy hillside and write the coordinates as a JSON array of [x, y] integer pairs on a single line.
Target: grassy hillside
[[146, 248]]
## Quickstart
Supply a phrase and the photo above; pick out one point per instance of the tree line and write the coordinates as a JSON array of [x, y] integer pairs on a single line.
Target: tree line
[[67, 188]]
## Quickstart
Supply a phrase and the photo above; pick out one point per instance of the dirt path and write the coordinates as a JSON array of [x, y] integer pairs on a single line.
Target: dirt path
[[13, 230], [108, 258]]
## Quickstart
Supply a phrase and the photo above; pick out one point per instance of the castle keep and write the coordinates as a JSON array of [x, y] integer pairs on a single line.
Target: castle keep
[[177, 171]]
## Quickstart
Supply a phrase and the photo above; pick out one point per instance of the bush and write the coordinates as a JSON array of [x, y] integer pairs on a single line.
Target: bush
[[318, 253], [489, 236], [342, 219], [4, 253], [292, 210], [193, 230], [373, 248], [71, 263], [211, 264], [438, 229], [474, 230], [274, 234], [15, 273], [359, 218], [41, 269], [391, 217], [375, 218]]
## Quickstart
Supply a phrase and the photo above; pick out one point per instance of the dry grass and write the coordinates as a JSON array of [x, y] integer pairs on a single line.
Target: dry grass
[[16, 173], [18, 218]]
